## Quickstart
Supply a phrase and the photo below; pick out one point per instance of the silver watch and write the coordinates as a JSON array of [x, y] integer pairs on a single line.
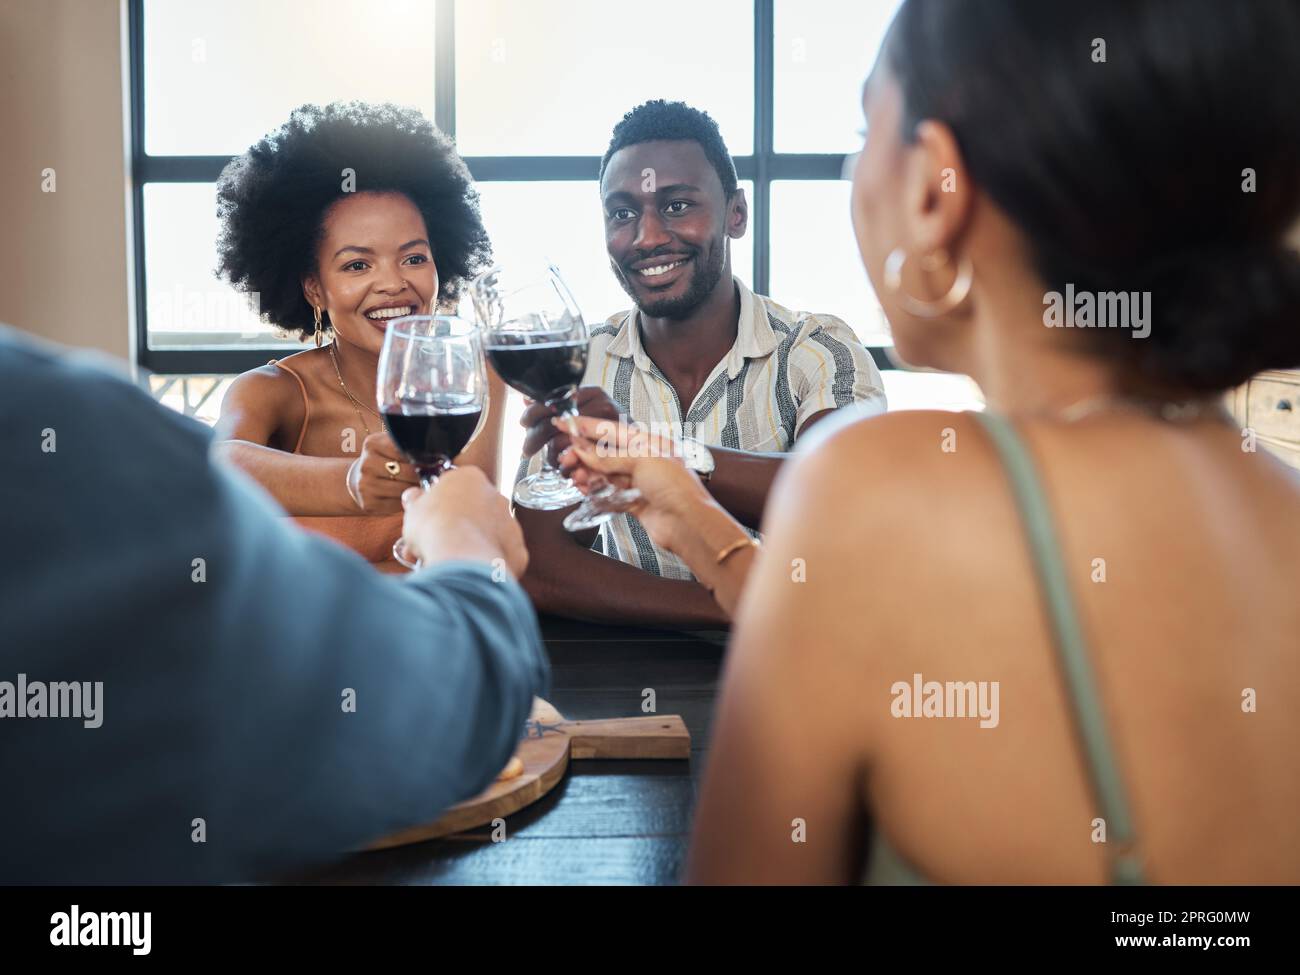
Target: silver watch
[[698, 458]]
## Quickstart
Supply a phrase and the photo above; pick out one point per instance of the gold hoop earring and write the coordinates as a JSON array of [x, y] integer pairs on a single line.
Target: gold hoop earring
[[320, 334], [930, 262]]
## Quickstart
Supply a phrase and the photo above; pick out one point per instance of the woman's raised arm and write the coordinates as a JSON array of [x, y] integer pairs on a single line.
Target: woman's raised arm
[[260, 420]]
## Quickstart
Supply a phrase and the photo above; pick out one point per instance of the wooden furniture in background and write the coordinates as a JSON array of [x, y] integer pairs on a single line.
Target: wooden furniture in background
[[1269, 404]]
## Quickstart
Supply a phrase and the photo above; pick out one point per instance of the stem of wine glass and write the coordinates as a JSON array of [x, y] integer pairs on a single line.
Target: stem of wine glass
[[599, 484], [428, 475], [566, 409]]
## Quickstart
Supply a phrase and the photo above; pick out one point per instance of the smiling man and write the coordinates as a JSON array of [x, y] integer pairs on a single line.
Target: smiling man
[[740, 376]]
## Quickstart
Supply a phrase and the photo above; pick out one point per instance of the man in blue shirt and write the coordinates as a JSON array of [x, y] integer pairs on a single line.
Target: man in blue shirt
[[191, 689]]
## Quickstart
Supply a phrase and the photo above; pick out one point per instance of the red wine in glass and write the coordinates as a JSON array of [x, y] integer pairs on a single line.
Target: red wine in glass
[[430, 440], [543, 371]]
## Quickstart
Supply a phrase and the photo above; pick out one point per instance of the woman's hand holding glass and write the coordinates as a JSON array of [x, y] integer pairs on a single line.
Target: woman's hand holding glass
[[630, 456], [379, 475], [675, 507]]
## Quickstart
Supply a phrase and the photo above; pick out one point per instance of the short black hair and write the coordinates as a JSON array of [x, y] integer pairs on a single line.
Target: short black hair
[[1127, 169], [658, 119], [272, 200]]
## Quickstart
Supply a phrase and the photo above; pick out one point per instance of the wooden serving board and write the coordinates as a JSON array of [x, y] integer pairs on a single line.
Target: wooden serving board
[[549, 743]]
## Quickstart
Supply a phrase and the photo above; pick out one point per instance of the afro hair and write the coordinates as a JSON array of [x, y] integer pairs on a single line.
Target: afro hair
[[272, 200]]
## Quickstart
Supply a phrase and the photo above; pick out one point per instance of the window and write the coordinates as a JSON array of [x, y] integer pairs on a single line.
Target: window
[[553, 78], [823, 51], [815, 263], [189, 308], [191, 394], [220, 74], [530, 91]]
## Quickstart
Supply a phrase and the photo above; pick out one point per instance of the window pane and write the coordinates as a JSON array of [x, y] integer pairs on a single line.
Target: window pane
[[553, 79], [513, 211], [823, 51], [815, 262], [816, 267], [188, 306], [220, 74], [196, 396], [930, 391]]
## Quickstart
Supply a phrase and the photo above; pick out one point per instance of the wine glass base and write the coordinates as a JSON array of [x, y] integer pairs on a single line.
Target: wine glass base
[[599, 508], [580, 520], [399, 554], [542, 493]]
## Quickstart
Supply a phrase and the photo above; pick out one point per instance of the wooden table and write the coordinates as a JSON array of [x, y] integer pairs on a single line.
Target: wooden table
[[607, 822]]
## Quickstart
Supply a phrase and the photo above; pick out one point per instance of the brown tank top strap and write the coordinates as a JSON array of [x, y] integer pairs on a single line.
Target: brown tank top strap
[[306, 403]]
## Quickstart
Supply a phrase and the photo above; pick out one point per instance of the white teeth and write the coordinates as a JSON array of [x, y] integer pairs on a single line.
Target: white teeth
[[381, 313], [653, 272]]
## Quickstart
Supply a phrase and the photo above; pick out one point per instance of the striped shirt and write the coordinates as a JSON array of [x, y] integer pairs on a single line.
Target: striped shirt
[[784, 367]]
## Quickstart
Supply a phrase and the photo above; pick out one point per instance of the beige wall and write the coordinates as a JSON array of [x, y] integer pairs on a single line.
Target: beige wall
[[64, 256]]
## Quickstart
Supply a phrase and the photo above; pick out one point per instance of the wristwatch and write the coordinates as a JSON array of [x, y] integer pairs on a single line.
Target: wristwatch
[[697, 458]]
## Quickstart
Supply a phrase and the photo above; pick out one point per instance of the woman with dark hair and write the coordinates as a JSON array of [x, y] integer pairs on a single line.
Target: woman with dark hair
[[345, 218], [1059, 643]]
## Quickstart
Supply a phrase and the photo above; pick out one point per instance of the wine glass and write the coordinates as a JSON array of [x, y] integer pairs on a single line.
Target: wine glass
[[536, 340], [433, 394], [535, 337]]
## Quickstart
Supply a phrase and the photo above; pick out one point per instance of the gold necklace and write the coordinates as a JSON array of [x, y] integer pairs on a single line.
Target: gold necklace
[[348, 393]]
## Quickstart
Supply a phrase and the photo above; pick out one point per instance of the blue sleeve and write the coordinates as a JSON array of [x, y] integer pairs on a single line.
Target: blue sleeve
[[268, 698]]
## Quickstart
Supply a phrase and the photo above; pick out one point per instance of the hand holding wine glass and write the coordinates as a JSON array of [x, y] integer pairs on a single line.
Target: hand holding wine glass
[[463, 516], [670, 500], [631, 457], [373, 483], [537, 418]]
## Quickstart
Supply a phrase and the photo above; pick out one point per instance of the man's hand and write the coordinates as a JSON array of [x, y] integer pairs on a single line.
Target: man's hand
[[591, 401], [463, 517], [373, 487]]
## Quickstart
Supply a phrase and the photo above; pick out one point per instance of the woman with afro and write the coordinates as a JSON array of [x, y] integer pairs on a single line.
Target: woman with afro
[[345, 218]]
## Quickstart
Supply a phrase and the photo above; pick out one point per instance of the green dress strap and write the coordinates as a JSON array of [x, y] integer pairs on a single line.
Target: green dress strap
[[1071, 649]]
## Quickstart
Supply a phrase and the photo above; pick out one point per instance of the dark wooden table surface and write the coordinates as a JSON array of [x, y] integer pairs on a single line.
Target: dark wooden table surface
[[607, 822]]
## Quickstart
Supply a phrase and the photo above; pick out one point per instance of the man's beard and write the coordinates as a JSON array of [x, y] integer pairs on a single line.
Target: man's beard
[[708, 272]]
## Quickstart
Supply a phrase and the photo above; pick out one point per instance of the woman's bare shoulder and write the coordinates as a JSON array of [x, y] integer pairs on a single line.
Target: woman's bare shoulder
[[910, 455], [878, 520], [883, 521], [264, 386], [262, 403], [895, 504]]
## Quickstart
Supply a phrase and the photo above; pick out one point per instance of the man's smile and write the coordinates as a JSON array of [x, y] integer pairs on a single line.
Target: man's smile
[[659, 272]]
